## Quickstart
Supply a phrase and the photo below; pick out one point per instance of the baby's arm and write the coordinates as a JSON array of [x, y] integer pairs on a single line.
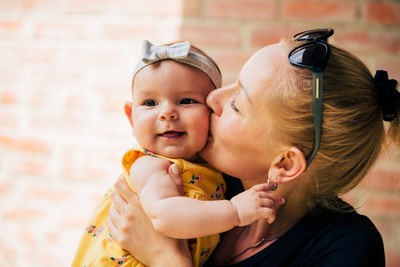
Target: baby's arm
[[183, 217]]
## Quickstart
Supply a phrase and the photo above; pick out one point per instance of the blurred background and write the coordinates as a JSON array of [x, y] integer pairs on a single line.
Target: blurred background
[[65, 73]]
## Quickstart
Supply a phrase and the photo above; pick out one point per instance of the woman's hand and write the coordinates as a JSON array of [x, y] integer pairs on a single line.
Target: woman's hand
[[131, 228]]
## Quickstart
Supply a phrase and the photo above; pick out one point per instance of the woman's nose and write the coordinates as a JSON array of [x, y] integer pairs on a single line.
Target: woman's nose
[[169, 113], [216, 100]]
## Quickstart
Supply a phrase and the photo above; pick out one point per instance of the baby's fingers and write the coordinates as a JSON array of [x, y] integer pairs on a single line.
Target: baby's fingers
[[268, 213], [262, 190]]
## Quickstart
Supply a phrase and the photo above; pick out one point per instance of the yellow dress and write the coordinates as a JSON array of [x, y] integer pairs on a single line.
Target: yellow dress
[[97, 248]]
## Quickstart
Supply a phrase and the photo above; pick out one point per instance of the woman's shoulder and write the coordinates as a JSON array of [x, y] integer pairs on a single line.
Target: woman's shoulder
[[333, 238], [325, 238], [348, 221]]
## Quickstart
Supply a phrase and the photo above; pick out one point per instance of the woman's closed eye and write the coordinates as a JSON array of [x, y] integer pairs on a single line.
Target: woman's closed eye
[[187, 101], [150, 102], [233, 106]]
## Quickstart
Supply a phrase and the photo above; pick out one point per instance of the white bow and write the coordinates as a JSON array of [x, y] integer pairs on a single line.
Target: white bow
[[152, 53]]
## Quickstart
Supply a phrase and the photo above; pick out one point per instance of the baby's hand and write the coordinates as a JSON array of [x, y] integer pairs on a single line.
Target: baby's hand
[[256, 203]]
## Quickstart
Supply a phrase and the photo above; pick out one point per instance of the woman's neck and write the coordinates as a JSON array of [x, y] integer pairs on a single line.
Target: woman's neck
[[296, 206], [286, 217]]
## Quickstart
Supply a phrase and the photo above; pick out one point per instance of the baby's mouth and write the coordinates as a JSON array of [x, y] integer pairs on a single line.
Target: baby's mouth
[[171, 134]]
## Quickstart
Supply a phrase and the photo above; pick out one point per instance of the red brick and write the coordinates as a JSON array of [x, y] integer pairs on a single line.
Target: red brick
[[382, 12], [341, 11], [45, 79], [392, 257], [191, 8], [6, 187], [26, 237], [92, 56], [37, 54], [264, 35], [383, 205], [230, 60], [240, 9], [8, 120], [360, 41], [71, 172], [92, 6], [40, 257], [9, 75], [8, 253], [201, 34], [25, 145], [26, 5], [156, 7], [388, 180], [391, 65], [8, 97], [67, 123], [131, 31], [32, 167], [134, 7], [52, 238], [113, 103], [24, 214], [47, 194], [386, 229], [60, 30], [10, 26]]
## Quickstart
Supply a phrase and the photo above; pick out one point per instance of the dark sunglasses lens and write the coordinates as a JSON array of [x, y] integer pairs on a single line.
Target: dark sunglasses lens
[[313, 35], [311, 55]]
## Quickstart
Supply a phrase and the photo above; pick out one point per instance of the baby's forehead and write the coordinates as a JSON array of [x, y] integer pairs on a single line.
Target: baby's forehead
[[172, 75]]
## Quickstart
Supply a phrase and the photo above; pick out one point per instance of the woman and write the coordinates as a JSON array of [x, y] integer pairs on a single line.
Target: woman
[[272, 124]]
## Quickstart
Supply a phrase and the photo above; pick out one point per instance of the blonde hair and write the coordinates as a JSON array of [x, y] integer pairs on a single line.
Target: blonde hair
[[352, 130]]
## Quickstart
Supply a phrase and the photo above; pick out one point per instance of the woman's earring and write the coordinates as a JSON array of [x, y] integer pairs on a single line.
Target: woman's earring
[[272, 187]]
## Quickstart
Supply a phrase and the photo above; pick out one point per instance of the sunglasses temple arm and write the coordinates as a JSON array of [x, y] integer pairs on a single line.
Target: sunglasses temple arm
[[317, 111]]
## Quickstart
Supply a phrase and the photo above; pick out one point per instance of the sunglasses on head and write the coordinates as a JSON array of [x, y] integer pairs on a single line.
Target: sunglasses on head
[[313, 55]]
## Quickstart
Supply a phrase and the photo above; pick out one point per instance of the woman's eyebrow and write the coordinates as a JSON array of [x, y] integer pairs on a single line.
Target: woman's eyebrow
[[245, 91]]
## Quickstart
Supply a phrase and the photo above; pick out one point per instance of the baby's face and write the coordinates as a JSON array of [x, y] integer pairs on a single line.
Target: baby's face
[[170, 115]]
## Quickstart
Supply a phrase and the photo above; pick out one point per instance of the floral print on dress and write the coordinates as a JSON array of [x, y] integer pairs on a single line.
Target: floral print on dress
[[204, 253], [196, 179], [150, 153], [91, 229], [119, 261], [219, 192], [109, 237]]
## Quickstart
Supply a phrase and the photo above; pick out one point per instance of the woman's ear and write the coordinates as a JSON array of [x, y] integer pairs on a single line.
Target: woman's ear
[[128, 112], [288, 166]]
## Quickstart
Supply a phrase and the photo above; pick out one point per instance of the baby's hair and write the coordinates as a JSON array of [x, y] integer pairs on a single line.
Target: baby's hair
[[353, 133]]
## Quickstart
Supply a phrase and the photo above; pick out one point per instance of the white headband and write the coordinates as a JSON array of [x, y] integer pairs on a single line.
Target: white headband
[[179, 52]]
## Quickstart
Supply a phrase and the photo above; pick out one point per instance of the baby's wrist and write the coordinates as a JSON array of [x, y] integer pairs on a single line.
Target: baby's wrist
[[235, 213]]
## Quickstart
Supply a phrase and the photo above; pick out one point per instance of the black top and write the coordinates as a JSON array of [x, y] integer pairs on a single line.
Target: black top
[[324, 238]]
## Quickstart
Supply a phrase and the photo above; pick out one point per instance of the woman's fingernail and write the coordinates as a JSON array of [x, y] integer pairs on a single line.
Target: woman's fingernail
[[175, 169]]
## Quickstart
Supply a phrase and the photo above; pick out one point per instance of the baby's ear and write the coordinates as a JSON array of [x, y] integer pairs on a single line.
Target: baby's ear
[[128, 112], [288, 166]]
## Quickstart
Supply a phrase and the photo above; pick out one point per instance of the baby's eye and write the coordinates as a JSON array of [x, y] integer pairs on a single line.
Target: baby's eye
[[150, 102], [233, 106], [186, 101]]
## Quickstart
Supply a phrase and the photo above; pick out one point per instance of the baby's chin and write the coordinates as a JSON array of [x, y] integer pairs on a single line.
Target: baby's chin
[[179, 154]]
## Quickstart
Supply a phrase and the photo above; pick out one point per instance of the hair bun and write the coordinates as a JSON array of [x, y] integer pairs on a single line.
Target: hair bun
[[389, 97]]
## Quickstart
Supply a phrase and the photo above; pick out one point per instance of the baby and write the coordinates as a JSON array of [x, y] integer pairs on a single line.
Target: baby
[[170, 121]]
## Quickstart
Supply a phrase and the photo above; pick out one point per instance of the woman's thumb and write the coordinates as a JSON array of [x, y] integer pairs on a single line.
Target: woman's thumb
[[174, 172]]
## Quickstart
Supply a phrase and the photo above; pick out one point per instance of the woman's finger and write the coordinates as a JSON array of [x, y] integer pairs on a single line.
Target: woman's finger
[[174, 172], [112, 218], [119, 204], [122, 188]]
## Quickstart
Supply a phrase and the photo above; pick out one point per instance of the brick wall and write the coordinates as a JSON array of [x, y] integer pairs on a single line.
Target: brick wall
[[65, 71]]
